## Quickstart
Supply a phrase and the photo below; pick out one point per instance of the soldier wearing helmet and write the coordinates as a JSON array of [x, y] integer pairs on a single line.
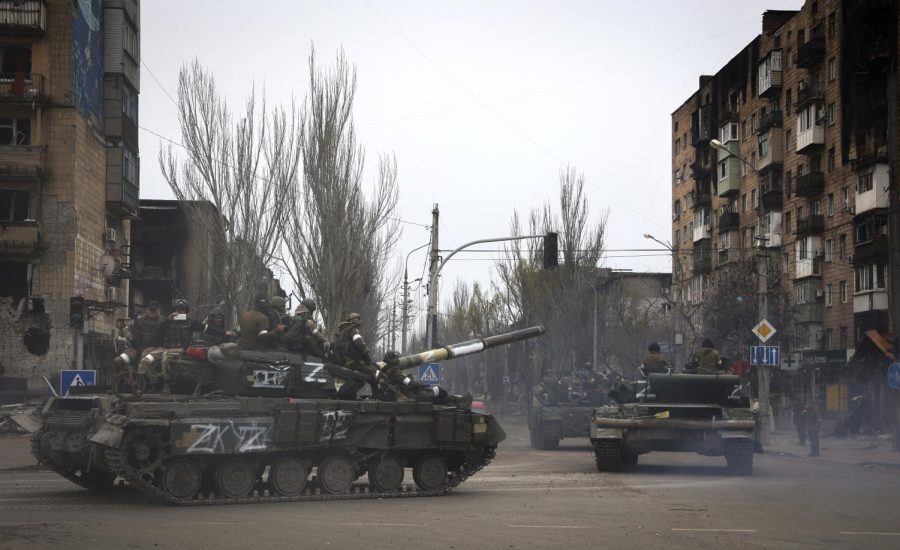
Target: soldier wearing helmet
[[398, 385], [350, 350], [304, 335], [214, 330], [175, 334]]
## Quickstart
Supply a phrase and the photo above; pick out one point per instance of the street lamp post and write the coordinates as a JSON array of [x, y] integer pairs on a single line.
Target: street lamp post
[[762, 293], [676, 281]]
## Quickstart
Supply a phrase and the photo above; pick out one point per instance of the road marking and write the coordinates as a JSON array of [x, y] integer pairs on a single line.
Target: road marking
[[553, 526], [386, 524], [715, 530], [215, 523], [20, 481], [874, 533]]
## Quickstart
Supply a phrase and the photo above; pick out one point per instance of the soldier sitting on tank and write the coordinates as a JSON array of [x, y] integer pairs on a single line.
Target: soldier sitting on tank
[[259, 326], [654, 362], [304, 335], [396, 385], [708, 359], [278, 306], [144, 337], [350, 351], [547, 392], [176, 333], [214, 330]]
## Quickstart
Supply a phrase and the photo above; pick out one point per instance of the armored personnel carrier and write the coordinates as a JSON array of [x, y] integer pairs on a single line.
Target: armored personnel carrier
[[705, 414], [253, 426]]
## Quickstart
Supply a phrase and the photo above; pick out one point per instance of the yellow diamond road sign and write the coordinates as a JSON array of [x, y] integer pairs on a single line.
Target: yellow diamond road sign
[[764, 330]]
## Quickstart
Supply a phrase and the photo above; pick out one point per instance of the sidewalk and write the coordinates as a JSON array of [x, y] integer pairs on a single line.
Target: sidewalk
[[863, 450]]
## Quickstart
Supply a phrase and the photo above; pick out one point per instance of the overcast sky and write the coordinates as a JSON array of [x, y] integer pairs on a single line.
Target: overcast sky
[[482, 102]]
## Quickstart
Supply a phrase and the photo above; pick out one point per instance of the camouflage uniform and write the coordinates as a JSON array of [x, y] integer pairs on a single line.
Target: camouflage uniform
[[214, 331], [304, 335], [655, 363], [397, 385], [708, 361], [144, 336], [350, 351], [260, 328]]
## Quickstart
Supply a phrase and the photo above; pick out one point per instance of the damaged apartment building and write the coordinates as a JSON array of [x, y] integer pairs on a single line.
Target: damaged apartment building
[[69, 180], [806, 119]]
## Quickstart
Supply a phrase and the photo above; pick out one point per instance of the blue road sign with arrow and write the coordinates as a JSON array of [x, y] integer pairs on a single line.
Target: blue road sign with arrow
[[769, 356]]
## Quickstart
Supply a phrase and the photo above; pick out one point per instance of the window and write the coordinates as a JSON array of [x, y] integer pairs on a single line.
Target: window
[[843, 290], [864, 183], [844, 341], [677, 208], [788, 142], [743, 169], [829, 334], [829, 250], [831, 160], [787, 222], [744, 132], [129, 103], [131, 42], [675, 131], [803, 248], [129, 166], [788, 103], [788, 183], [832, 69], [723, 170], [808, 119], [845, 199], [13, 205], [832, 24], [677, 145], [15, 131], [842, 246], [753, 199], [801, 291], [752, 123], [753, 160], [763, 144], [815, 208], [828, 289], [831, 115], [744, 202], [870, 277], [830, 203]]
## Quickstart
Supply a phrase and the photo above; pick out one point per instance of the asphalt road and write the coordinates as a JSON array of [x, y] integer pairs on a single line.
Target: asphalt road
[[524, 499]]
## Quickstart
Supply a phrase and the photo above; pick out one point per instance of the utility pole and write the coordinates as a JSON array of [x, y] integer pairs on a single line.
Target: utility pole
[[394, 325], [404, 322], [893, 96], [433, 269]]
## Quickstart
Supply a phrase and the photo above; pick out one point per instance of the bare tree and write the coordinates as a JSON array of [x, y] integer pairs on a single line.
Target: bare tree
[[341, 239], [244, 168], [561, 299]]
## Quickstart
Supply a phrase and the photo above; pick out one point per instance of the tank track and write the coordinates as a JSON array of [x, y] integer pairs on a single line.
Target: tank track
[[117, 462], [80, 480]]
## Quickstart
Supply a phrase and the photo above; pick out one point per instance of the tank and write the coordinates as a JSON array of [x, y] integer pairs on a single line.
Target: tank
[[705, 414], [251, 426], [562, 414]]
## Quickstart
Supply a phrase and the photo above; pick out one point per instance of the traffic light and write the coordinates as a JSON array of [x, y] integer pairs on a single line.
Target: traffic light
[[551, 251], [76, 311]]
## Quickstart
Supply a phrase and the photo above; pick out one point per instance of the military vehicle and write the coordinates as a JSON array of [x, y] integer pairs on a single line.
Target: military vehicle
[[706, 414], [565, 412], [245, 426]]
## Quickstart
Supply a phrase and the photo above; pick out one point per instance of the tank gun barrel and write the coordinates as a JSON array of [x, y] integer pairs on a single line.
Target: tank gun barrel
[[469, 347]]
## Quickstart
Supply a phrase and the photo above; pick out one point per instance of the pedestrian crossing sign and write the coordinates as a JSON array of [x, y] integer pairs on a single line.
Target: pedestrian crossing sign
[[430, 373], [76, 378]]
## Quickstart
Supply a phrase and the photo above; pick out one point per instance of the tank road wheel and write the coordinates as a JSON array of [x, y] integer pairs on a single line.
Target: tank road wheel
[[739, 455], [336, 474], [608, 453], [288, 476], [430, 473], [235, 478], [181, 478], [386, 474]]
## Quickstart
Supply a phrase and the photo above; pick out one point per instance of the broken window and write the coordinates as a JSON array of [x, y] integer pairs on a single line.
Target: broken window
[[13, 205], [14, 280], [16, 61]]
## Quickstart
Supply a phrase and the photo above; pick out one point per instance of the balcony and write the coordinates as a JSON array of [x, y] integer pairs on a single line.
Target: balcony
[[810, 185], [812, 52], [124, 197], [871, 300], [878, 196], [809, 312], [702, 200], [769, 72], [701, 232], [870, 154], [23, 88], [700, 172], [814, 224], [728, 255], [23, 17], [772, 193], [772, 119], [729, 170], [774, 151], [701, 125], [811, 266], [20, 238], [122, 188], [809, 141], [21, 162], [729, 221], [808, 94], [876, 248]]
